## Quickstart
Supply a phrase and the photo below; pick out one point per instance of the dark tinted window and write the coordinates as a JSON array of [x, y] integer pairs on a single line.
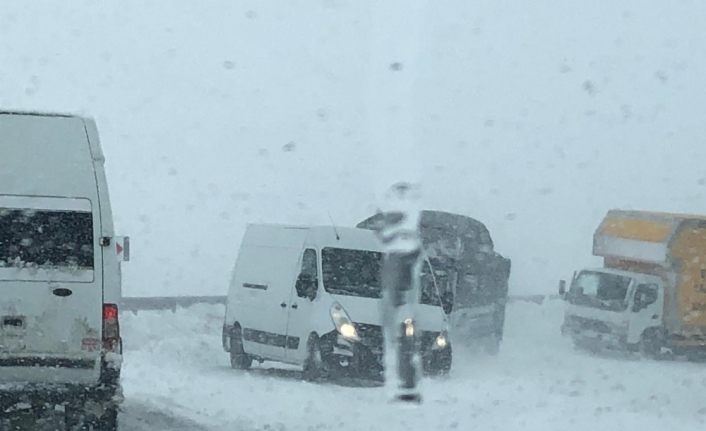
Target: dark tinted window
[[309, 264], [47, 239]]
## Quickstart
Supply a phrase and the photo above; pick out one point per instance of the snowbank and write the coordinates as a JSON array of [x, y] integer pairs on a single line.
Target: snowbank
[[175, 365]]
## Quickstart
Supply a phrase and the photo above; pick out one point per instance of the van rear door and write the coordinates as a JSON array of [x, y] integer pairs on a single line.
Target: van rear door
[[50, 290]]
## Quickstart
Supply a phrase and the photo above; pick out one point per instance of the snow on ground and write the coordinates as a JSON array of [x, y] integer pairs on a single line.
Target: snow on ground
[[177, 377]]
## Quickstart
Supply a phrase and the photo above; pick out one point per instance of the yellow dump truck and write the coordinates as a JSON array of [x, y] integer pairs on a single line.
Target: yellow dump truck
[[650, 294]]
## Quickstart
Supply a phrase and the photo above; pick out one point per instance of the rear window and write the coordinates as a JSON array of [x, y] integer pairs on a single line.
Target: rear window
[[46, 239]]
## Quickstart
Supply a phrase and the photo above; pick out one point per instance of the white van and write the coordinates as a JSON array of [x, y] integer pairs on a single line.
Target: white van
[[310, 296], [59, 271]]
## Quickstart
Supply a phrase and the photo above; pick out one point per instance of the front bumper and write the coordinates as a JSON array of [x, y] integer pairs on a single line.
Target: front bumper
[[365, 357], [594, 333]]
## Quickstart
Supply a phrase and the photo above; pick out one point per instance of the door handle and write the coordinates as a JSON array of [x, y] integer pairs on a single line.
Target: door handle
[[62, 292], [655, 316], [295, 306], [283, 305]]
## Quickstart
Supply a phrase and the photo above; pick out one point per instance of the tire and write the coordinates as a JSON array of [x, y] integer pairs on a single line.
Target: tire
[[78, 419], [651, 343], [314, 368], [239, 360], [440, 362], [109, 420], [74, 418]]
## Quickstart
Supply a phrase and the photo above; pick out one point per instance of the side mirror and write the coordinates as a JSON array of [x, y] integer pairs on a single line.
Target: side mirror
[[639, 302], [447, 302], [306, 286], [562, 287], [644, 297]]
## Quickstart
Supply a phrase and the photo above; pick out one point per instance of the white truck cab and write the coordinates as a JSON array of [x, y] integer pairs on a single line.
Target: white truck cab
[[311, 296], [60, 282], [650, 293], [612, 308]]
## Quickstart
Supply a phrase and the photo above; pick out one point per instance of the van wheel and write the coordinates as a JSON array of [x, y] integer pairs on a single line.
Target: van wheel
[[239, 360], [314, 367]]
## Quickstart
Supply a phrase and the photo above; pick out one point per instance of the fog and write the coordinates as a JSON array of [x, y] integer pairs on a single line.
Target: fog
[[535, 120]]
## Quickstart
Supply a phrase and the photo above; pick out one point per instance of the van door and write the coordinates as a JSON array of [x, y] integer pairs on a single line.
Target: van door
[[50, 290], [266, 324], [303, 293], [645, 310]]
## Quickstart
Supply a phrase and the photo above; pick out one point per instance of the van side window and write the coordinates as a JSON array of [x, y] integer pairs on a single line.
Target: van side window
[[309, 263], [308, 279]]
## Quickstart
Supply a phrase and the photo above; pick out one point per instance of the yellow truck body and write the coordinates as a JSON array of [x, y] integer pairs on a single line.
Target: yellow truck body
[[671, 246]]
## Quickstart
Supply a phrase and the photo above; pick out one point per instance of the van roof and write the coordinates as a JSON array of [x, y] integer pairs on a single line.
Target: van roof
[[47, 155], [315, 236]]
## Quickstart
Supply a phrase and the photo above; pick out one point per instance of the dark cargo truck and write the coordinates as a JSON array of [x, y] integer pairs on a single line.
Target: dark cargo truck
[[463, 273]]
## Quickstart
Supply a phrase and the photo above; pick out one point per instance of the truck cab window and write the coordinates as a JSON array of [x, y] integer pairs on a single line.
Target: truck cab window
[[308, 279], [645, 294], [601, 290]]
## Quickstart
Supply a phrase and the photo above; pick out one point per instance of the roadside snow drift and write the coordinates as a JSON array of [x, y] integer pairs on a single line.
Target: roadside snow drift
[[177, 376]]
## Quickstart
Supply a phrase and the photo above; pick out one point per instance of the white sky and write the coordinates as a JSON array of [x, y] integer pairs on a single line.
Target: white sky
[[534, 117]]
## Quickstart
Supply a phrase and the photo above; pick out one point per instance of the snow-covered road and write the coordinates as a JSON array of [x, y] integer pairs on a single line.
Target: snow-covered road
[[177, 377]]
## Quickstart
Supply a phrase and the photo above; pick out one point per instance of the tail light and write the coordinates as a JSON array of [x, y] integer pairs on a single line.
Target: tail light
[[111, 329]]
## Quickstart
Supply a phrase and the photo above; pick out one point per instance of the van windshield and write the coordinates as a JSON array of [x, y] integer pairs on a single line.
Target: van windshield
[[352, 272], [46, 239], [600, 290]]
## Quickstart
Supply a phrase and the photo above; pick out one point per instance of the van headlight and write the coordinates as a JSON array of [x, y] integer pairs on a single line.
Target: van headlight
[[343, 323], [441, 341]]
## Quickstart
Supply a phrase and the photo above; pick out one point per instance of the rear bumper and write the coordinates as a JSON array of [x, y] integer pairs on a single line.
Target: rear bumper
[[57, 394], [100, 385]]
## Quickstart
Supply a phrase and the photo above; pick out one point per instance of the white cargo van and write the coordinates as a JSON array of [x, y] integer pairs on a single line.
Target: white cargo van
[[59, 270], [310, 296]]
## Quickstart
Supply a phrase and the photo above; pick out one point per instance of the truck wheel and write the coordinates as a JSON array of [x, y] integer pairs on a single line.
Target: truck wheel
[[651, 344], [109, 420], [440, 363], [74, 419], [239, 360], [314, 367]]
